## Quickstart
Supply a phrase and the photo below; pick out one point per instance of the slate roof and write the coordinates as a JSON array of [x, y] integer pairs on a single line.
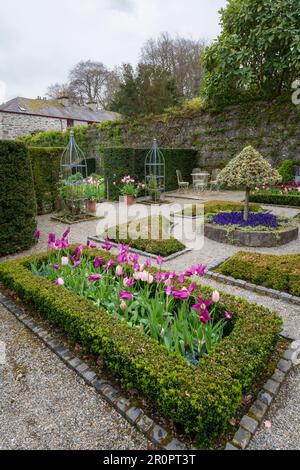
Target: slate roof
[[56, 109]]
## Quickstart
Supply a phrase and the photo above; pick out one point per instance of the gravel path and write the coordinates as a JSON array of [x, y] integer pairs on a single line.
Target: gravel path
[[44, 405], [284, 416]]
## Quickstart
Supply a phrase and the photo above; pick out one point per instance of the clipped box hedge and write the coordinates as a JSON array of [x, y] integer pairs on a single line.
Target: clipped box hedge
[[204, 398], [17, 198], [121, 161], [269, 197], [272, 271]]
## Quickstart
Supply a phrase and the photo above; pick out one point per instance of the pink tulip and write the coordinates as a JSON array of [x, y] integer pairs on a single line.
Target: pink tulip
[[124, 295], [95, 277], [119, 271], [59, 282], [64, 261], [215, 296], [123, 305]]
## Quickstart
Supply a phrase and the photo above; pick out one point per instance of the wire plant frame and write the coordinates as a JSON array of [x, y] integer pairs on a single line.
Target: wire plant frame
[[155, 173], [73, 177]]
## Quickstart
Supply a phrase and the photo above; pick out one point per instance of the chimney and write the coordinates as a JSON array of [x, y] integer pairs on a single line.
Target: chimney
[[93, 105], [64, 100]]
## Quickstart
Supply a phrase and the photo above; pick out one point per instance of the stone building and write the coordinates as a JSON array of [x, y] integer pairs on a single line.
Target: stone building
[[23, 116]]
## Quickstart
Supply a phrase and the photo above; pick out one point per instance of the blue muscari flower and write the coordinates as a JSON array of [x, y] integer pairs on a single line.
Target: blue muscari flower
[[255, 219]]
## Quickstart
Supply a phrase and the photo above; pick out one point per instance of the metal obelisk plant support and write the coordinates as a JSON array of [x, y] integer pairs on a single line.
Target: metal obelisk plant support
[[73, 173], [155, 173]]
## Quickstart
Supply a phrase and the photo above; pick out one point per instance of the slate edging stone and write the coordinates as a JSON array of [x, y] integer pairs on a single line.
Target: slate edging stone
[[251, 421]]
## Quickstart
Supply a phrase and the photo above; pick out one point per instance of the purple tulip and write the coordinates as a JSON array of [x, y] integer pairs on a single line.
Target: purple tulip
[[55, 266], [107, 246], [148, 263], [181, 279], [159, 260], [95, 277], [158, 277], [205, 317], [124, 295], [98, 262], [66, 233], [128, 282], [181, 294], [37, 234], [192, 287], [200, 270], [169, 290], [108, 265]]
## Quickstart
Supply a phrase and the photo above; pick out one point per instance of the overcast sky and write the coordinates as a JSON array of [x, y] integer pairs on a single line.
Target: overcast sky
[[40, 40]]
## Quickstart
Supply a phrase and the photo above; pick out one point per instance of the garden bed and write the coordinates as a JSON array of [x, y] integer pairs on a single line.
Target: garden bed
[[144, 241], [78, 219], [281, 273], [259, 230], [203, 397]]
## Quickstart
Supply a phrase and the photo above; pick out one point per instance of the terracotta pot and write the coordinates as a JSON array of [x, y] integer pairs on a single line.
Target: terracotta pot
[[129, 200], [91, 207]]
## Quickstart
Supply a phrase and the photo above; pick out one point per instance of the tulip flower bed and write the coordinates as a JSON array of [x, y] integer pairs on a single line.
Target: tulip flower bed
[[190, 351]]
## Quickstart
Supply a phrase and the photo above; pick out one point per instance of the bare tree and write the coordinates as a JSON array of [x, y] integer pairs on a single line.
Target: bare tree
[[180, 57], [88, 81]]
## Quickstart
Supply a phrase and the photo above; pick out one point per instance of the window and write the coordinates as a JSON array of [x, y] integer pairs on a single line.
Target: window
[[70, 122]]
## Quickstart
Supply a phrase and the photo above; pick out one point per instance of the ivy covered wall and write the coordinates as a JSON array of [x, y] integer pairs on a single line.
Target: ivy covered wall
[[272, 127]]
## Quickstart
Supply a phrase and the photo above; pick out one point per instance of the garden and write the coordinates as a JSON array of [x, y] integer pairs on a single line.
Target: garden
[[191, 352]]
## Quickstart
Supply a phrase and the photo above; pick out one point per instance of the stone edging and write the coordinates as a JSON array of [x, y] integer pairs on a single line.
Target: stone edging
[[251, 421], [134, 415], [250, 238], [143, 253], [285, 297]]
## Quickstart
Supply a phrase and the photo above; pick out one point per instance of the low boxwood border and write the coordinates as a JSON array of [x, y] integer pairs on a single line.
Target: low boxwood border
[[265, 197], [204, 398]]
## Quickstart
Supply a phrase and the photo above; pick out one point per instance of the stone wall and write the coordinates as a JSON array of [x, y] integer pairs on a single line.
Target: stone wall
[[271, 127], [14, 125]]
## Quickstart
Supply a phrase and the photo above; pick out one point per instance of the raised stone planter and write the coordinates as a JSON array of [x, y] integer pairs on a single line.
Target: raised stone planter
[[250, 238]]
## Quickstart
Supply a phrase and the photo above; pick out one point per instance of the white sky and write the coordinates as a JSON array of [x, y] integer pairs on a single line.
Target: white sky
[[41, 40]]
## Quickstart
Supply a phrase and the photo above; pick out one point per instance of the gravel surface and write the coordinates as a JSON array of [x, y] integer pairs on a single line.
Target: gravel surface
[[284, 417], [44, 405]]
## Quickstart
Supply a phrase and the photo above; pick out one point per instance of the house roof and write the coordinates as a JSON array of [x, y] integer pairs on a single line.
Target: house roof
[[56, 109]]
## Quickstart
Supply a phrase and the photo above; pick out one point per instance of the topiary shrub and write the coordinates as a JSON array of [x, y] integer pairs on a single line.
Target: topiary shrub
[[248, 171], [17, 198]]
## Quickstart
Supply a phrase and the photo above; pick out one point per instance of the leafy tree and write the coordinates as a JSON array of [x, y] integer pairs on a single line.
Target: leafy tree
[[258, 51], [148, 89], [249, 170]]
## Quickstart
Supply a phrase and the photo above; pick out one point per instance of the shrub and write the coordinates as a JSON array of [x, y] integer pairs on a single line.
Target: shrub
[[17, 198], [120, 161], [276, 272], [286, 170], [46, 167], [275, 197], [203, 398], [248, 171]]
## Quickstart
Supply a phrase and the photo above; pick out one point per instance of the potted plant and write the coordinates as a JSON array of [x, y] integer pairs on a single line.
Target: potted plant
[[129, 190], [93, 193]]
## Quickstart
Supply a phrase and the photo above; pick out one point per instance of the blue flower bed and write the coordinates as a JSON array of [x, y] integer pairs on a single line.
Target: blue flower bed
[[255, 220]]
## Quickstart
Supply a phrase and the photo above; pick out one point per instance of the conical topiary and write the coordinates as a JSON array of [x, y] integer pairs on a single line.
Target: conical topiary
[[249, 170]]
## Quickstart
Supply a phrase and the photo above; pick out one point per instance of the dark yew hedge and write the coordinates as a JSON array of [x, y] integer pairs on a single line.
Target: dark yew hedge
[[271, 197], [46, 167], [17, 198], [119, 161], [204, 398]]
